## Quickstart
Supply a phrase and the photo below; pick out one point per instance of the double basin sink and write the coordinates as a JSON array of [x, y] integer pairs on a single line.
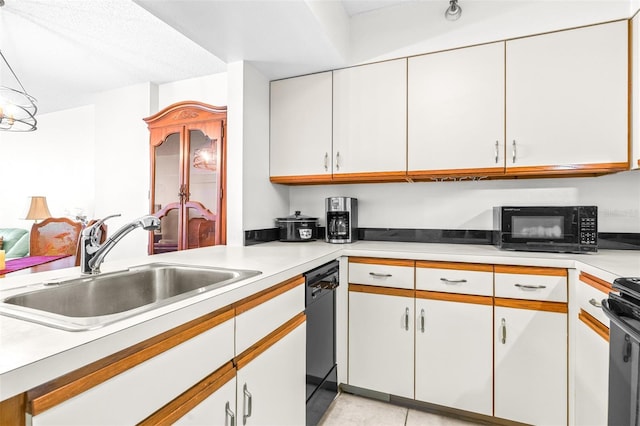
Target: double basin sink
[[89, 302]]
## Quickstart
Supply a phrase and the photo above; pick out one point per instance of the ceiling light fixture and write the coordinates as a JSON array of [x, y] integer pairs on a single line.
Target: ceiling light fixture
[[453, 12], [17, 108]]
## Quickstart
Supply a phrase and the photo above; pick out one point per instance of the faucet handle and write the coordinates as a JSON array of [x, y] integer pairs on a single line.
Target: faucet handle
[[93, 232]]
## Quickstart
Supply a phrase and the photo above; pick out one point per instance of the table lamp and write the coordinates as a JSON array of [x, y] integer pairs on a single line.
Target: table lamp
[[38, 209]]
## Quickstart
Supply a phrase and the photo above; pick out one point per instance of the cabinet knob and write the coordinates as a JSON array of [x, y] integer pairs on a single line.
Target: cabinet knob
[[497, 151], [513, 152], [503, 329]]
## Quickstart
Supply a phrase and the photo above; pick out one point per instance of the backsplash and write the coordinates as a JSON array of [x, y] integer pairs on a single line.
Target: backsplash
[[469, 205]]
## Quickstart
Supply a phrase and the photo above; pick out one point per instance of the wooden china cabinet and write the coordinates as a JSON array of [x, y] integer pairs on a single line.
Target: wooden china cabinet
[[188, 153]]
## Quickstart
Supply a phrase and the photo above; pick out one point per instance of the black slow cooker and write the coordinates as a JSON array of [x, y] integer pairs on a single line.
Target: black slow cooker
[[297, 227]]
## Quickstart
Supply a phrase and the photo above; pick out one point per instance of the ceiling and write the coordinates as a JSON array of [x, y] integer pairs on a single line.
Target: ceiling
[[66, 51]]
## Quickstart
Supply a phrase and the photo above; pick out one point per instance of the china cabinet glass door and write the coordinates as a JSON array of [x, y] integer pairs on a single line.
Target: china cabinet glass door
[[187, 177]]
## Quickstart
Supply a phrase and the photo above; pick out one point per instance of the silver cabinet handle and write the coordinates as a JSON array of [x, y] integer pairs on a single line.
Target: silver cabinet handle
[[595, 303], [530, 287], [406, 319], [503, 327], [247, 399], [229, 416], [514, 152], [326, 161], [447, 281], [378, 275], [422, 320], [497, 151], [338, 160]]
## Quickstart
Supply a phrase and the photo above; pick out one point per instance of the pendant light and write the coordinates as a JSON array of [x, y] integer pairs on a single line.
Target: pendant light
[[17, 108]]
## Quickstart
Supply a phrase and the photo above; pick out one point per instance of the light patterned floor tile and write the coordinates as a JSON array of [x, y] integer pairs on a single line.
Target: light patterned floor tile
[[350, 410], [421, 418]]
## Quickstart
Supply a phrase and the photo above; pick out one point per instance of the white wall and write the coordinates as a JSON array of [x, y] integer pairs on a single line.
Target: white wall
[[211, 89], [419, 27], [56, 160], [122, 162], [468, 205]]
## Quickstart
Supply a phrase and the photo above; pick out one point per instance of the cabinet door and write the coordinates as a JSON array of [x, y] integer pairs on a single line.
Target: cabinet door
[[218, 409], [566, 98], [369, 119], [134, 394], [591, 377], [300, 142], [530, 366], [454, 354], [381, 342], [456, 111], [271, 387]]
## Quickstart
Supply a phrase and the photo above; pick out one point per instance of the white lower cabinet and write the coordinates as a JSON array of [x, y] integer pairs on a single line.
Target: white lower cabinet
[[218, 408], [530, 366], [592, 377], [381, 337], [271, 386], [134, 394], [454, 356]]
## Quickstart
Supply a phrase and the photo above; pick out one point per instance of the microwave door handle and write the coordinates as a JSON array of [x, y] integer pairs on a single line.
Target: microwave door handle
[[620, 322]]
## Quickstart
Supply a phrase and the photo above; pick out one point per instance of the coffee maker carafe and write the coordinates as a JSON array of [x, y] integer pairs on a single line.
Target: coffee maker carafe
[[342, 219]]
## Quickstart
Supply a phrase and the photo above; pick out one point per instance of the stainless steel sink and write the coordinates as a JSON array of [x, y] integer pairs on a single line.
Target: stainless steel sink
[[90, 302]]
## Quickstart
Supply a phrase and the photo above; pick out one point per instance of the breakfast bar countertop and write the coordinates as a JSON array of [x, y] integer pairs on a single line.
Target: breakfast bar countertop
[[31, 354]]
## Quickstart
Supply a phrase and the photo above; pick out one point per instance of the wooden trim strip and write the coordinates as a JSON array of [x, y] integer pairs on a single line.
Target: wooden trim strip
[[387, 291], [440, 173], [302, 179], [266, 342], [265, 295], [382, 261], [74, 383], [536, 305], [12, 410], [595, 282], [567, 169], [193, 396], [630, 88], [595, 325], [530, 270], [455, 297], [482, 267]]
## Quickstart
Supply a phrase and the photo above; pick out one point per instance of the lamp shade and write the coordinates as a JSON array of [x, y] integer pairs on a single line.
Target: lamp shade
[[38, 209]]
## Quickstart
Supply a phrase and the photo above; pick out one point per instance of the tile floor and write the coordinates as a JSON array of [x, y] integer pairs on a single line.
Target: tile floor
[[351, 410]]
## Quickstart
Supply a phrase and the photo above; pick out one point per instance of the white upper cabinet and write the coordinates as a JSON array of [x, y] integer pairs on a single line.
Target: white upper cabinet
[[456, 112], [567, 100], [300, 140], [635, 98], [369, 119]]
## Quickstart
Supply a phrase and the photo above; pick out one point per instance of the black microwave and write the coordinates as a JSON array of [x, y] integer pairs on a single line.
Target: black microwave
[[560, 229]]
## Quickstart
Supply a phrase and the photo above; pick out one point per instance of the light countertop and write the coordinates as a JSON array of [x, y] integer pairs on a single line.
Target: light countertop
[[31, 354]]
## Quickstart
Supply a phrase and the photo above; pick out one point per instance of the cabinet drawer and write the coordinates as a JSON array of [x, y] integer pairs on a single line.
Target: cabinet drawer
[[382, 272], [459, 278], [590, 298], [134, 394], [530, 283], [259, 316]]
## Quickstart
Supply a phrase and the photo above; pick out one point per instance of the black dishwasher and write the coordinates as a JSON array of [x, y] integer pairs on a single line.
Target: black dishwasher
[[320, 302], [624, 352]]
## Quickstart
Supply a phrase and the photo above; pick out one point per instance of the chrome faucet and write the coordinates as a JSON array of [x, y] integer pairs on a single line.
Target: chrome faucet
[[92, 253]]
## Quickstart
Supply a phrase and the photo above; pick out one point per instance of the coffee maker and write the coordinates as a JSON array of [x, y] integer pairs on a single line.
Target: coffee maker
[[342, 219]]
